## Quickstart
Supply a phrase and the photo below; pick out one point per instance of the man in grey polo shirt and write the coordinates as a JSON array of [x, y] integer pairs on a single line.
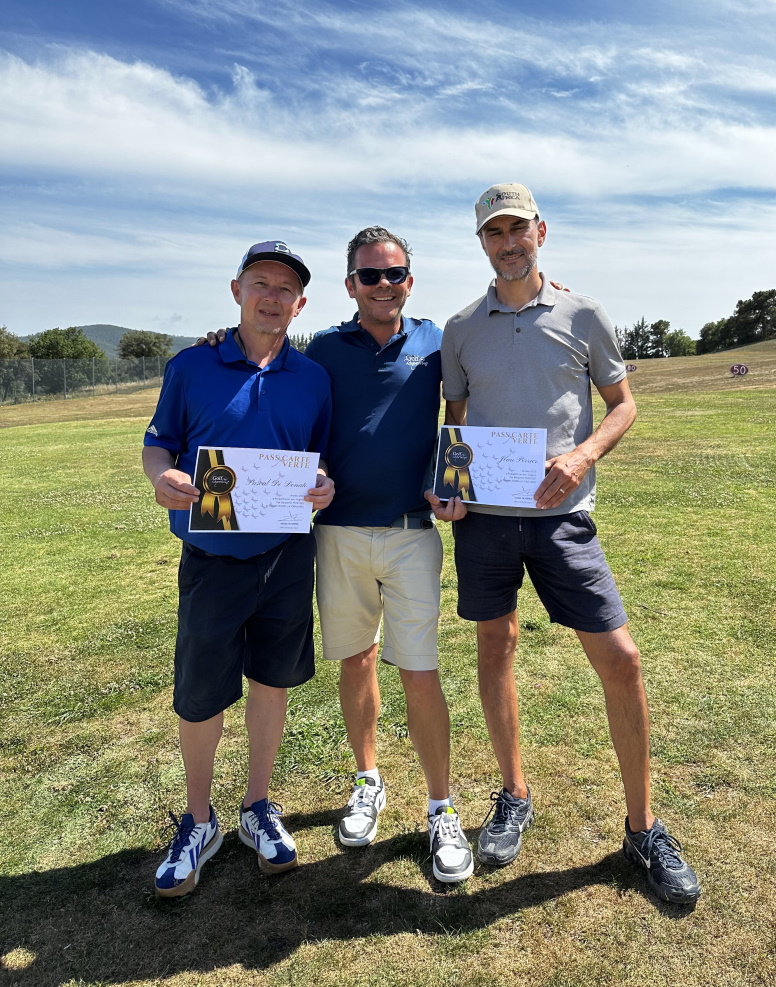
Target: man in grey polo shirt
[[525, 355]]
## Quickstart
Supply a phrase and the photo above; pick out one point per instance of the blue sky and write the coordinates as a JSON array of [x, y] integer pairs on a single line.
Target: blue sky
[[144, 145]]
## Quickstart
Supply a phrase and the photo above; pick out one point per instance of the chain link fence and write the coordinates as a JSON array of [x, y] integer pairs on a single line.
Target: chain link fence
[[34, 380]]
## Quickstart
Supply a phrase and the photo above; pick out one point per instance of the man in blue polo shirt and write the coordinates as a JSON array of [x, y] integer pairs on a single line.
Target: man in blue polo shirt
[[245, 604], [379, 554]]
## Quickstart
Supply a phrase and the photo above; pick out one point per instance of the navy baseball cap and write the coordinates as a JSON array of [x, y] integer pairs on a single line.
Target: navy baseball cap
[[278, 251]]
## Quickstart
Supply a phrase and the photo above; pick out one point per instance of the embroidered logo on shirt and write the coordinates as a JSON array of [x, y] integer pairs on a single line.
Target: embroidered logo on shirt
[[151, 430], [415, 361]]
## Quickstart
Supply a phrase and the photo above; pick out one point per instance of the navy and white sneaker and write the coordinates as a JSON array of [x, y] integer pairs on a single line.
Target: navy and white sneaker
[[192, 845], [500, 840], [451, 855], [358, 827], [261, 829], [660, 855]]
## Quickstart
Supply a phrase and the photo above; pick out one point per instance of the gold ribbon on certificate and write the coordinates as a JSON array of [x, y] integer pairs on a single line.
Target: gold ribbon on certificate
[[218, 482], [458, 459]]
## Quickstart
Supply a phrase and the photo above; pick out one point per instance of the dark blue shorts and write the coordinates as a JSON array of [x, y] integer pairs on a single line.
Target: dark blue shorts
[[563, 558], [236, 617]]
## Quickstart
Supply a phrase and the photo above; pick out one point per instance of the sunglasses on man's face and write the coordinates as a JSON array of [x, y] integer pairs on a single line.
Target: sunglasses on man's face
[[369, 276]]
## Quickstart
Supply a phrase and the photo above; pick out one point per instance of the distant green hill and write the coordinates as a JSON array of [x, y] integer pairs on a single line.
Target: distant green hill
[[107, 338]]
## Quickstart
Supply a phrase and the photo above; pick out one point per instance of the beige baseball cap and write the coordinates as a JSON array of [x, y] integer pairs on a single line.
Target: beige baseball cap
[[505, 200]]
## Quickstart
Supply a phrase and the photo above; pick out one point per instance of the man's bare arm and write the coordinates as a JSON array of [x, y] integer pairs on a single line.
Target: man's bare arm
[[566, 472], [174, 489], [455, 412]]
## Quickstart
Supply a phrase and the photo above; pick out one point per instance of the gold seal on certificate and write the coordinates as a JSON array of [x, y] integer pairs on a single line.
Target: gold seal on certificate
[[501, 467], [258, 490], [216, 481], [219, 480], [458, 459]]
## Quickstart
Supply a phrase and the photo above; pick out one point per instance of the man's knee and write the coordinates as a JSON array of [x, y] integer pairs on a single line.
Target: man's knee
[[361, 664], [497, 640], [614, 656], [420, 683]]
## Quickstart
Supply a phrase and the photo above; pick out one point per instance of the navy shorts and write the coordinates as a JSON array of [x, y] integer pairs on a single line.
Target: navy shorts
[[563, 558], [236, 617]]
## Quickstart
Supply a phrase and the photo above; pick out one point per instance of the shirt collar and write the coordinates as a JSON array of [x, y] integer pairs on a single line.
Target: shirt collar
[[230, 352], [355, 326], [547, 296]]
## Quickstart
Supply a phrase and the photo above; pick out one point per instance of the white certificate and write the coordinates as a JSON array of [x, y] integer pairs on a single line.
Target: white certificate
[[500, 467], [257, 490]]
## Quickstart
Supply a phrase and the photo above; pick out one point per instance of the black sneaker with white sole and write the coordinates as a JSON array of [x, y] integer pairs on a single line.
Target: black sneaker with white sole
[[501, 838], [660, 855]]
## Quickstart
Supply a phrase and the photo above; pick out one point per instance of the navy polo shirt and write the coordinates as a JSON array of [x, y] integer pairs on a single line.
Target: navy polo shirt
[[385, 403], [215, 396]]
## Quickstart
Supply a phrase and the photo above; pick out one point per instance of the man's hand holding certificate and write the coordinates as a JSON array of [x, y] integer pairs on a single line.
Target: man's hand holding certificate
[[257, 490], [501, 467]]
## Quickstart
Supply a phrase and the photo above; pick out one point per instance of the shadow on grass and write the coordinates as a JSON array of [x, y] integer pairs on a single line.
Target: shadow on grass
[[100, 922]]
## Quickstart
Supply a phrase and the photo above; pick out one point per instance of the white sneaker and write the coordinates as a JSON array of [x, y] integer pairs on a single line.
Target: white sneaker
[[261, 829], [358, 827], [191, 847], [451, 854]]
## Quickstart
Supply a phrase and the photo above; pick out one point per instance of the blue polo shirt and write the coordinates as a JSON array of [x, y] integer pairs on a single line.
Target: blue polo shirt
[[385, 403], [215, 396]]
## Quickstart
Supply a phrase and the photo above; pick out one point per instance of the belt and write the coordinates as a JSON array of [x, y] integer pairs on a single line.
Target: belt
[[408, 521]]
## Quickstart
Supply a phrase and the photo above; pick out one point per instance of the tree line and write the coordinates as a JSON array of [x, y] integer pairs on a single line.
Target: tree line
[[753, 321], [643, 342], [73, 344], [64, 361]]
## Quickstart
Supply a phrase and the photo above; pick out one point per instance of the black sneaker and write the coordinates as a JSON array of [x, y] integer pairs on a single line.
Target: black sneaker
[[659, 854], [500, 840]]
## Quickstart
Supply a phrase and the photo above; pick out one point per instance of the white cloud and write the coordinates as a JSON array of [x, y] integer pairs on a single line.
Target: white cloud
[[650, 154], [87, 114]]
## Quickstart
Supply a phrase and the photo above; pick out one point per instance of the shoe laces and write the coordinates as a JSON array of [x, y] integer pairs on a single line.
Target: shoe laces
[[363, 796], [180, 837], [501, 809], [666, 847], [269, 819], [446, 826]]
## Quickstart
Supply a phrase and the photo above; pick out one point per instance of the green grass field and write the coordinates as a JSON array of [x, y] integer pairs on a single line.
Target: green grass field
[[89, 763]]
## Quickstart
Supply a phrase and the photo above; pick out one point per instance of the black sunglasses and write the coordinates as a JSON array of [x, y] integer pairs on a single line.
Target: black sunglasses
[[369, 276]]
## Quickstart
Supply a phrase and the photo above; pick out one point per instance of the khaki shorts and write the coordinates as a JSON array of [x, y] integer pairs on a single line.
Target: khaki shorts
[[364, 574]]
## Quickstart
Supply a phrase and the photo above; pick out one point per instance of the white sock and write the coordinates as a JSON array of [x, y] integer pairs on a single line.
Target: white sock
[[373, 773], [434, 804]]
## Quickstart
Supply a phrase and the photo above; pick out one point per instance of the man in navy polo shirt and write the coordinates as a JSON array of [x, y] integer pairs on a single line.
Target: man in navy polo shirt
[[245, 604], [379, 554]]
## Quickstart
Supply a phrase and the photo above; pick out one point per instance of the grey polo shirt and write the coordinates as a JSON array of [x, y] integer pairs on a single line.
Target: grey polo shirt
[[533, 369]]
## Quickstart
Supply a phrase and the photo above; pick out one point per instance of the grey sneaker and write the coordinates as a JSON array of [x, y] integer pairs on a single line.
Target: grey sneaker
[[501, 838], [660, 855], [451, 854], [358, 827]]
